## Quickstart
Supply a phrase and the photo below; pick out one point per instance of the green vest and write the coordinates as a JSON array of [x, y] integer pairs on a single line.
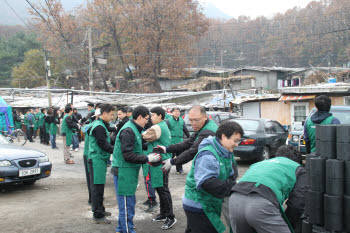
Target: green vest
[[53, 128], [311, 130], [98, 156], [156, 171], [211, 205], [278, 174], [128, 173], [65, 129], [211, 125], [176, 129], [41, 119], [86, 140], [36, 121]]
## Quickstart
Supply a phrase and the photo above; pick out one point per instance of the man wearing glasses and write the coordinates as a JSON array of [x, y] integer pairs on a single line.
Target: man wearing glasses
[[127, 161], [187, 149]]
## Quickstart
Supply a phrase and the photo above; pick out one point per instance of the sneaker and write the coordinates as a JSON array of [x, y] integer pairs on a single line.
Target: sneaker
[[151, 207], [102, 221], [169, 223], [159, 218], [76, 149], [71, 149], [69, 161], [106, 213]]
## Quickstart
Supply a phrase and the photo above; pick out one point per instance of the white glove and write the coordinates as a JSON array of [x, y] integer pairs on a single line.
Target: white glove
[[166, 165], [163, 148], [153, 157]]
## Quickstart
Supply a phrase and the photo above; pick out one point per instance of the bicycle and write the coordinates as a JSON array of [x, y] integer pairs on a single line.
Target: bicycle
[[15, 134]]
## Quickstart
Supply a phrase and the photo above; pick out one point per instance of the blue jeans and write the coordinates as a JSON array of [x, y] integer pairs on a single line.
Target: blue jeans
[[75, 141], [126, 205], [53, 140]]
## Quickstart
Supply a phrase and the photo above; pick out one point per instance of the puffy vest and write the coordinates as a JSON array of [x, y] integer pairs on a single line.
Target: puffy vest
[[311, 130], [156, 171], [211, 205]]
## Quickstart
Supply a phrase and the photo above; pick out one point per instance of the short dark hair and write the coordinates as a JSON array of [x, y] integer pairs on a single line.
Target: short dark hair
[[323, 103], [75, 109], [228, 128], [158, 111], [129, 109], [289, 152], [122, 109], [42, 110], [200, 108], [175, 108], [90, 105], [140, 111], [68, 109], [97, 105], [106, 108]]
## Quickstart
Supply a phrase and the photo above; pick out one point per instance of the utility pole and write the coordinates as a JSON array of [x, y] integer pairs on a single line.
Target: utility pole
[[47, 76], [91, 83]]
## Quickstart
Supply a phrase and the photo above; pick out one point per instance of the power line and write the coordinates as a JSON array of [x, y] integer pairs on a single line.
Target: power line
[[17, 15]]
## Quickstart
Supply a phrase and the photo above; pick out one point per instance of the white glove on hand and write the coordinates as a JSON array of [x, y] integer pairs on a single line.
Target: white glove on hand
[[166, 165], [153, 157], [163, 148]]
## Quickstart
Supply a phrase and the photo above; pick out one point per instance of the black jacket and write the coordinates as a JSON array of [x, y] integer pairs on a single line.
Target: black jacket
[[121, 124], [127, 141], [99, 133], [187, 149]]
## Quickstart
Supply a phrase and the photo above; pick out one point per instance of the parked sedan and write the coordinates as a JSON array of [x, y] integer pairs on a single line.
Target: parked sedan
[[261, 138], [22, 165]]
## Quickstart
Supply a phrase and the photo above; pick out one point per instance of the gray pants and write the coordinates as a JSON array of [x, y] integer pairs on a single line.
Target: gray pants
[[253, 213], [66, 153]]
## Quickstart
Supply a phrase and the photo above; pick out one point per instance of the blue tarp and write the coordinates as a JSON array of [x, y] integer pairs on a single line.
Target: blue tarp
[[6, 118]]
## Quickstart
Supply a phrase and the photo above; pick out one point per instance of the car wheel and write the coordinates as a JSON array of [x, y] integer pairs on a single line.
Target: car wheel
[[265, 154], [29, 182]]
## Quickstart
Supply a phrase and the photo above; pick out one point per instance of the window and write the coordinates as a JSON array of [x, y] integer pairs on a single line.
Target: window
[[299, 111]]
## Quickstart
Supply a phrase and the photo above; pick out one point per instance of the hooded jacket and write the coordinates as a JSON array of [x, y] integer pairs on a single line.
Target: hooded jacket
[[206, 171]]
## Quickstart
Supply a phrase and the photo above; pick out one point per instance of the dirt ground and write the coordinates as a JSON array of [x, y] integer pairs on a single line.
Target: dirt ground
[[59, 203]]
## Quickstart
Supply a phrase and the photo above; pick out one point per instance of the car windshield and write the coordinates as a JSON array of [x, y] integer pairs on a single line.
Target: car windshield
[[248, 125], [3, 140]]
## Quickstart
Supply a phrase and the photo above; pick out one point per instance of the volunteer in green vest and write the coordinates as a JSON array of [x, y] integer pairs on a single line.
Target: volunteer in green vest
[[17, 120], [160, 179], [177, 129], [90, 115], [127, 160], [100, 150], [36, 124], [256, 204], [41, 116], [53, 121], [210, 179], [67, 130], [186, 150], [321, 117]]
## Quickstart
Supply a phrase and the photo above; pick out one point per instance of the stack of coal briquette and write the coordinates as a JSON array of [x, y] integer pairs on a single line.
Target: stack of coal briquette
[[328, 200]]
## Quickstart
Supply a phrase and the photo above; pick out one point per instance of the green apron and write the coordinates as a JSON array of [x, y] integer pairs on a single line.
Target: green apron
[[211, 205], [176, 129], [311, 130], [210, 125], [98, 156], [65, 129], [278, 174], [128, 173], [156, 171], [53, 128]]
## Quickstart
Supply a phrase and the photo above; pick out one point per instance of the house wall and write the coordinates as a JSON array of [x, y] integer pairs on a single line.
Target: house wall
[[275, 110], [266, 80], [251, 110], [170, 84]]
